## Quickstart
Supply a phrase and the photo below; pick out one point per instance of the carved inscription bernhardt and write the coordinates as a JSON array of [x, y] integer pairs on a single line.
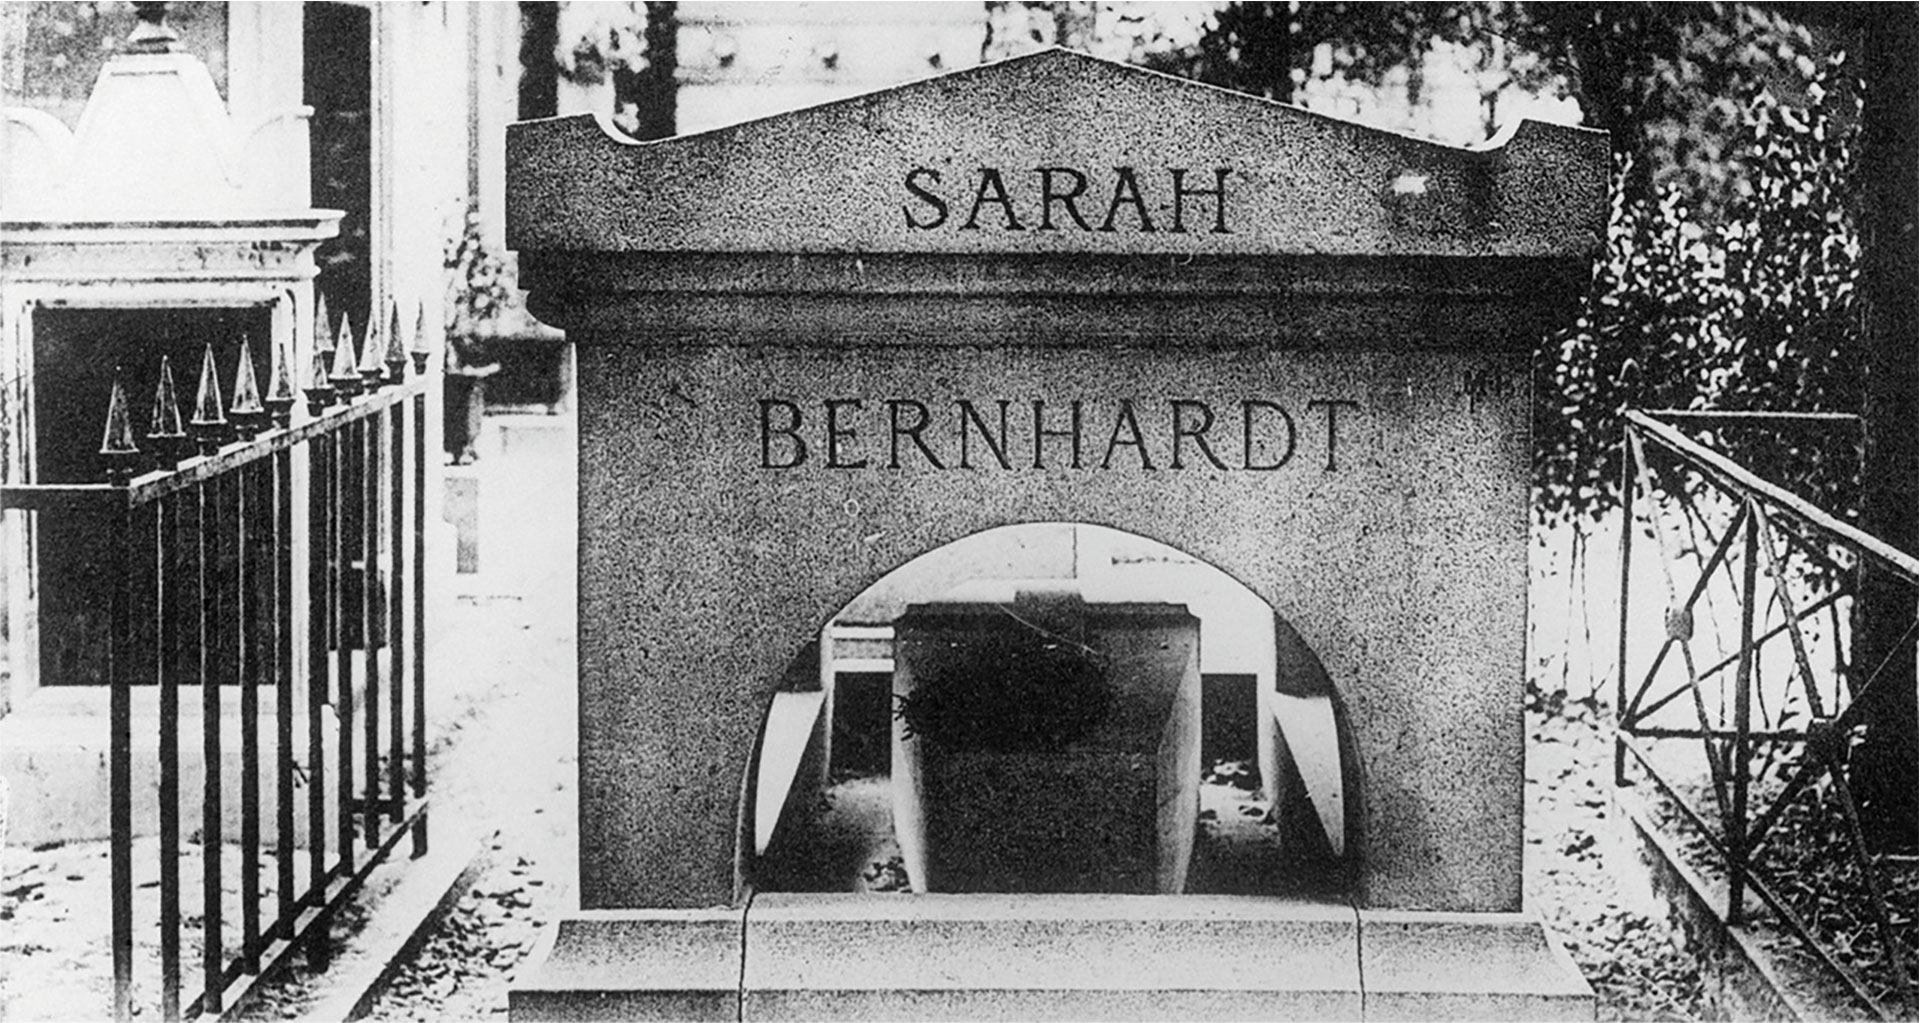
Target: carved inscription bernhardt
[[1253, 434]]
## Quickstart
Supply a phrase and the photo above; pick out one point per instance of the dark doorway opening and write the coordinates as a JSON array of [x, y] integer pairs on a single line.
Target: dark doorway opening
[[75, 355]]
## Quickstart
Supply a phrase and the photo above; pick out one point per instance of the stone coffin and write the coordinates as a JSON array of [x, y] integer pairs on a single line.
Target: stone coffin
[[1043, 744]]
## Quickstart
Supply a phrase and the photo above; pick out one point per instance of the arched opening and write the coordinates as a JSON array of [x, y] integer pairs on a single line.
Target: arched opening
[[1054, 707]]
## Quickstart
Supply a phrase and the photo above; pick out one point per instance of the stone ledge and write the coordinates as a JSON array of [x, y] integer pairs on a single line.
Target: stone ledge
[[1143, 941], [635, 965], [57, 765], [1492, 966], [834, 956]]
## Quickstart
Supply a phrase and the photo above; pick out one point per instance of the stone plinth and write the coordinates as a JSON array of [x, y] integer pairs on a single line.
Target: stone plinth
[[1032, 957], [1042, 744]]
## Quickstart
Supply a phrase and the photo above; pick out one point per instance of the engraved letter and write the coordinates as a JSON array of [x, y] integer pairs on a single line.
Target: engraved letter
[[791, 431], [835, 434], [894, 405], [1332, 405], [991, 177], [1246, 448], [931, 199], [1041, 433], [1126, 192], [1218, 191], [1197, 433], [1048, 196], [1132, 425], [998, 447]]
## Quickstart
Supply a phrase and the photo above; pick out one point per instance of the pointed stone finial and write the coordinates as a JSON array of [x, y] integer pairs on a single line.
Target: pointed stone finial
[[116, 442], [151, 33], [279, 397], [249, 415], [209, 419], [344, 375], [396, 348], [420, 351], [373, 366], [166, 434]]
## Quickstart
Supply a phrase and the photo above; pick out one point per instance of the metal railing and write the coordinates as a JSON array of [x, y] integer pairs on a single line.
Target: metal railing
[[280, 566], [1748, 736]]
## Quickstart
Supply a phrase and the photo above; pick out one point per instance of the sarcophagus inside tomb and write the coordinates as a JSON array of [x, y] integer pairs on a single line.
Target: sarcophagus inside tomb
[[822, 352], [1045, 744]]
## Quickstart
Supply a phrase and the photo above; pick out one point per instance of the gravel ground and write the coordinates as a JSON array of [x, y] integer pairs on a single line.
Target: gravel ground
[[1583, 876]]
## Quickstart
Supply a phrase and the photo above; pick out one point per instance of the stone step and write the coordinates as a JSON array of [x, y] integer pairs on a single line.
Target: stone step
[[982, 957], [1029, 957]]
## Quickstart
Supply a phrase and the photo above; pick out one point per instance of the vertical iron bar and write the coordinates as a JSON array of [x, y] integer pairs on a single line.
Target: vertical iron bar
[[371, 587], [396, 478], [1735, 829], [319, 603], [171, 611], [120, 668], [345, 530], [212, 670], [280, 550], [246, 630], [1620, 708], [420, 614]]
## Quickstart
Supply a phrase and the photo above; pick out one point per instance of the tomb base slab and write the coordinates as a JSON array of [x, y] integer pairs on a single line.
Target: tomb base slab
[[640, 964], [1001, 956]]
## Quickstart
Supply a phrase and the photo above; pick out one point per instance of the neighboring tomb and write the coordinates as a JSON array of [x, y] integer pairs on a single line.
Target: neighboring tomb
[[1051, 290]]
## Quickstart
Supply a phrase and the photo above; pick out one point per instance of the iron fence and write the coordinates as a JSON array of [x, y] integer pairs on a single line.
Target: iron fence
[[277, 566], [1748, 739]]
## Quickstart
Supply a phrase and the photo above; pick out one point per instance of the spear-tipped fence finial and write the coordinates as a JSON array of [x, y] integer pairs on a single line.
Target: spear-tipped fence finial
[[166, 434], [319, 389], [116, 441], [249, 415], [344, 375], [396, 347], [323, 325], [373, 366], [209, 419], [279, 398], [420, 351]]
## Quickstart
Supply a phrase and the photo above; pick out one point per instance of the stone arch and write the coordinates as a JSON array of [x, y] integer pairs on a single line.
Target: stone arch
[[1309, 774]]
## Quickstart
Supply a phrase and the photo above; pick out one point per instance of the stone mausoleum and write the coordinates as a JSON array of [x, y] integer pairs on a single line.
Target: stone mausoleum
[[1061, 294]]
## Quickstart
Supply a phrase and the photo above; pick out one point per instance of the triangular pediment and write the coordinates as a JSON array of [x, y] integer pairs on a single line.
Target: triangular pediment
[[1056, 152]]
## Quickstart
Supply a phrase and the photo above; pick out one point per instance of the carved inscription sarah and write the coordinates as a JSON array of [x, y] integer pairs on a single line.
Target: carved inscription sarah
[[1068, 199]]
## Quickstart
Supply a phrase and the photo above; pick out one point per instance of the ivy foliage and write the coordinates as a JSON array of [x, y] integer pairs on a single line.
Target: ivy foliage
[[1752, 310]]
